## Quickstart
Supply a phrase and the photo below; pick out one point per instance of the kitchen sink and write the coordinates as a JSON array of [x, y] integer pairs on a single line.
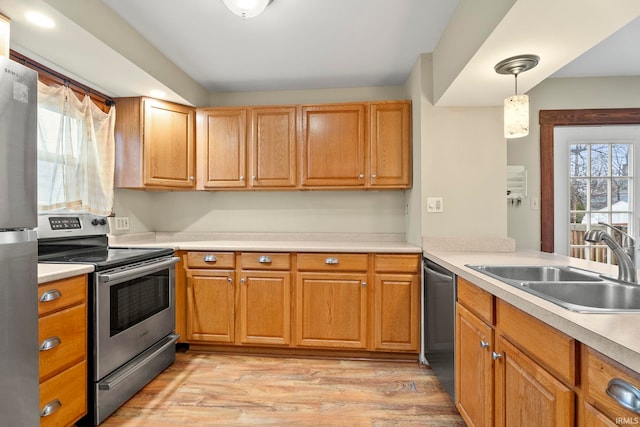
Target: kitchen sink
[[571, 288], [537, 273], [602, 296]]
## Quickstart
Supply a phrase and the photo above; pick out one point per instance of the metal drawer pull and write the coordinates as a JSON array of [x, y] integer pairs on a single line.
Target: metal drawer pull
[[264, 260], [50, 295], [495, 355], [50, 343], [331, 261], [364, 284], [210, 258], [50, 408], [484, 344], [625, 394]]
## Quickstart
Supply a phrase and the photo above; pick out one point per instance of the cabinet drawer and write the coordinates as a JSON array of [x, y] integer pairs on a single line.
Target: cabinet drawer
[[69, 388], [333, 262], [599, 371], [549, 346], [211, 260], [397, 263], [478, 301], [54, 296], [264, 261], [66, 332]]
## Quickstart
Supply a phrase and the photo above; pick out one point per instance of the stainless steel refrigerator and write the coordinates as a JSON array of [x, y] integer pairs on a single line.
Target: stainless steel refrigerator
[[19, 388]]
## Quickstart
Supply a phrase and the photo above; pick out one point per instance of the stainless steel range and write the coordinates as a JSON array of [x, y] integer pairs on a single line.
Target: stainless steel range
[[131, 307]]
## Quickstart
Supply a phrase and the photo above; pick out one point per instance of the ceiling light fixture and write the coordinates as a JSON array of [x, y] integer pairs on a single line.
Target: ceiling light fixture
[[516, 107], [39, 19], [247, 8]]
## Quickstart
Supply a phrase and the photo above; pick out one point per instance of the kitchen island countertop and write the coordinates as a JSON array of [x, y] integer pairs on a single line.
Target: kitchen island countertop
[[616, 335]]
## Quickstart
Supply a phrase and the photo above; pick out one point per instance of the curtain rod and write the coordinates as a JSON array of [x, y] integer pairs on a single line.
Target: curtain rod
[[66, 80]]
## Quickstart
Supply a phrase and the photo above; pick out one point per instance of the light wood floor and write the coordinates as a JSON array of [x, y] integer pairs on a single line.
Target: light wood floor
[[204, 389]]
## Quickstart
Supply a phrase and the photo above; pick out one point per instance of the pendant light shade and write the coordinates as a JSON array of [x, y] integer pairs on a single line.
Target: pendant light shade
[[247, 8], [516, 116], [516, 107]]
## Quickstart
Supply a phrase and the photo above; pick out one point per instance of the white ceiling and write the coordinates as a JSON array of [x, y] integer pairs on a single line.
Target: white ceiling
[[127, 48], [293, 44]]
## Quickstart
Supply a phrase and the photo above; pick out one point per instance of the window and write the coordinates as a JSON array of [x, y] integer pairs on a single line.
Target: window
[[76, 154], [598, 181]]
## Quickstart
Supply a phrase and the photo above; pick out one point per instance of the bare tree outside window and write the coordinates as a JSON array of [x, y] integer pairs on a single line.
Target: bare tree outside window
[[600, 188]]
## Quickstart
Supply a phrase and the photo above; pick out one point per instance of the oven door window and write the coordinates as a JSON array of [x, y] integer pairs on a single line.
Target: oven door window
[[136, 300]]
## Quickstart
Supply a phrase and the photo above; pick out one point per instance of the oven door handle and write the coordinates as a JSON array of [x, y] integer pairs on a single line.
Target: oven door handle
[[138, 271]]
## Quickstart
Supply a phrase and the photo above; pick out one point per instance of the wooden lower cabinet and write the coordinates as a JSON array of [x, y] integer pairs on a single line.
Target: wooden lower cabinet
[[474, 368], [265, 307], [502, 381], [331, 310], [600, 375], [591, 417], [368, 302], [211, 305], [526, 394], [396, 302], [62, 334]]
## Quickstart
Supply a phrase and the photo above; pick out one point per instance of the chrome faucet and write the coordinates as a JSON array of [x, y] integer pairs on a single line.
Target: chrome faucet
[[624, 252]]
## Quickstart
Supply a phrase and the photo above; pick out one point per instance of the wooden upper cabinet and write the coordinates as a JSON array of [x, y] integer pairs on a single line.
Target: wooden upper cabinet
[[390, 145], [154, 144], [222, 148], [243, 148], [273, 147], [333, 141]]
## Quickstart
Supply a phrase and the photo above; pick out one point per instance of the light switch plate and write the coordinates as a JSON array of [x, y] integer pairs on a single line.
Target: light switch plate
[[435, 204]]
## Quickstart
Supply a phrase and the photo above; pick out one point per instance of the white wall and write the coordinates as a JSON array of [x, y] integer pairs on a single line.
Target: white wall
[[558, 94], [463, 160], [413, 201]]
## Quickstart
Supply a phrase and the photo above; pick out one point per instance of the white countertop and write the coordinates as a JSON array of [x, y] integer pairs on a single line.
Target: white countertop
[[615, 335], [271, 242], [51, 272]]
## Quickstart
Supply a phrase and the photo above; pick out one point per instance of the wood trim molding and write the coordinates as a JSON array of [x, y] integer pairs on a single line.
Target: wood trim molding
[[549, 119]]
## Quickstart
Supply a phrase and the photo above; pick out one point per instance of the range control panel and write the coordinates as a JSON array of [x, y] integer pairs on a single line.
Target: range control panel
[[64, 222], [59, 225]]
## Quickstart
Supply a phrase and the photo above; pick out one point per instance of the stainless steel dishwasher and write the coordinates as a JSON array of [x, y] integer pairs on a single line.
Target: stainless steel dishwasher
[[438, 323]]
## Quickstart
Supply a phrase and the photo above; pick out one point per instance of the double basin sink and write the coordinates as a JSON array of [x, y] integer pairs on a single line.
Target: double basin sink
[[569, 287]]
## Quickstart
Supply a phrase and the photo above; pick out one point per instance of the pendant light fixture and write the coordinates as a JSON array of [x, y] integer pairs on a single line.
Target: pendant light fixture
[[516, 107], [247, 8]]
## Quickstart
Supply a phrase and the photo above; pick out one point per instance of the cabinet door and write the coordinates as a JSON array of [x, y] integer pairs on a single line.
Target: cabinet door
[[210, 305], [591, 417], [526, 394], [333, 145], [273, 147], [222, 148], [265, 307], [474, 368], [168, 144], [390, 150], [396, 312], [331, 310]]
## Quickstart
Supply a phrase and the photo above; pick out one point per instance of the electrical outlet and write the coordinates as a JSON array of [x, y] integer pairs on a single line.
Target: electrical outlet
[[122, 223], [435, 204]]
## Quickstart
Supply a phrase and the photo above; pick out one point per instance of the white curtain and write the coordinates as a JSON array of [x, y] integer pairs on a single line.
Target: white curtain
[[76, 152]]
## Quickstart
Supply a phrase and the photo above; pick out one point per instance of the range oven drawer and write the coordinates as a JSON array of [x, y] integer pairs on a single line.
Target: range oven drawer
[[127, 380]]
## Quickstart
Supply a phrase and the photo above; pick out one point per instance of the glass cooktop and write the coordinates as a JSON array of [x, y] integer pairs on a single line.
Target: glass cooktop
[[103, 258]]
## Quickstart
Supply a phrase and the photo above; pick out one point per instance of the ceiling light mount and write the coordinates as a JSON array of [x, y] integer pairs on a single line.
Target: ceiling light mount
[[247, 8], [517, 64], [516, 107]]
